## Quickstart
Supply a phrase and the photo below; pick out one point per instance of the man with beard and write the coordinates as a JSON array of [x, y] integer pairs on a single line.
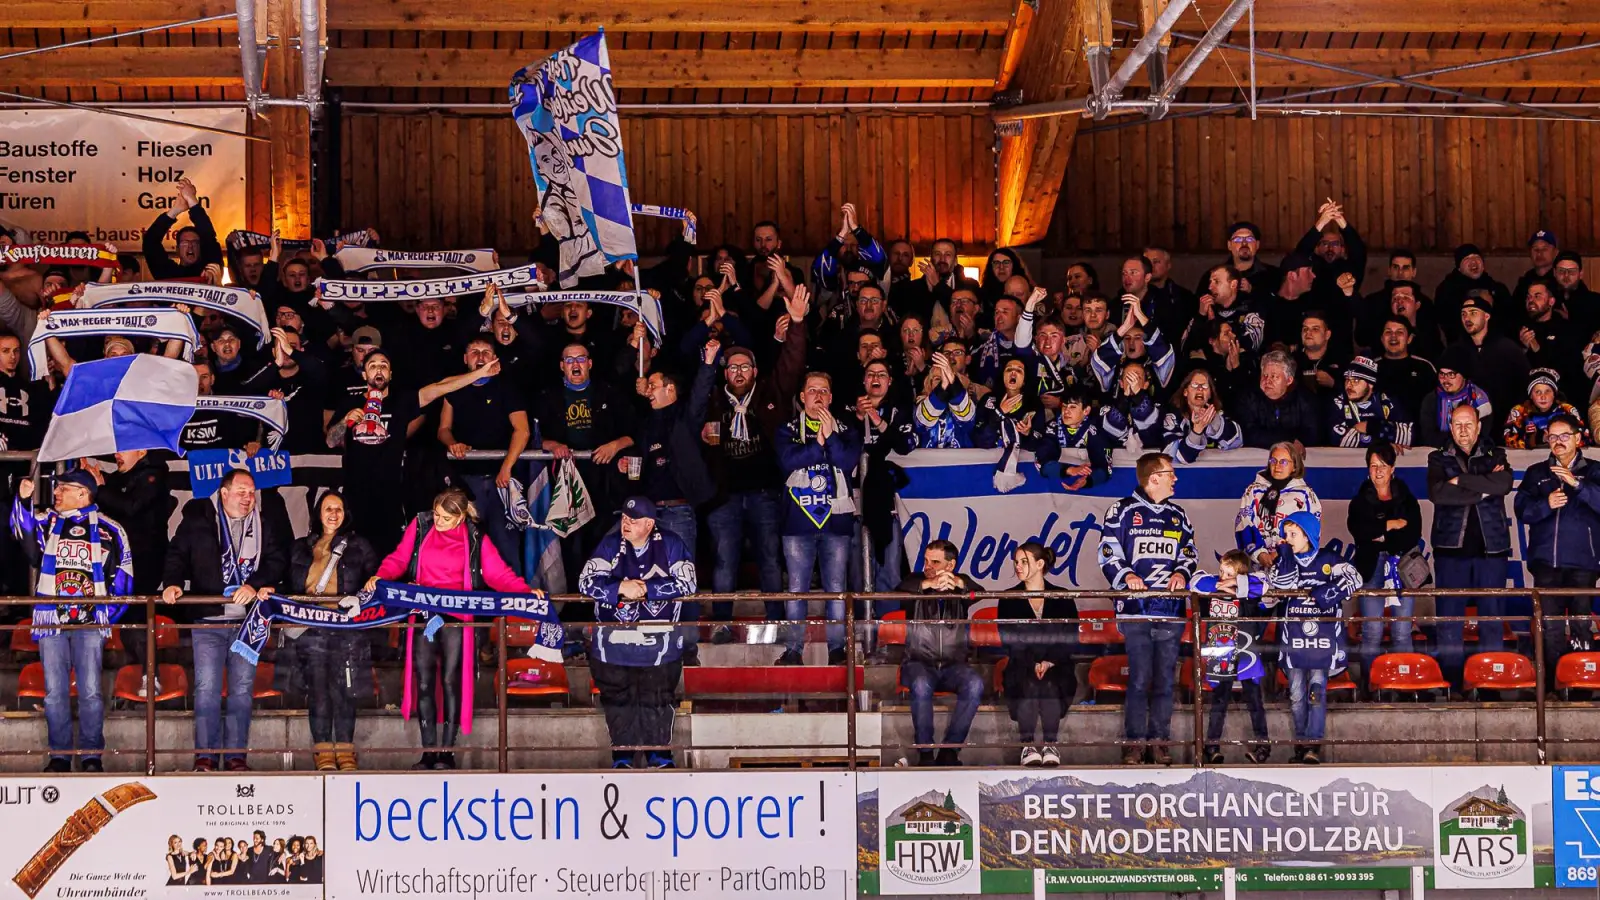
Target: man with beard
[[853, 249], [901, 256], [585, 414], [348, 383], [1551, 341], [574, 326], [1499, 365], [941, 277], [197, 241], [1374, 308], [1136, 274], [296, 377], [1254, 276], [487, 414], [743, 419], [372, 430], [1470, 275], [1013, 328], [1224, 300], [1402, 376], [1335, 250], [772, 278], [1363, 414], [229, 364], [1542, 250], [1582, 305]]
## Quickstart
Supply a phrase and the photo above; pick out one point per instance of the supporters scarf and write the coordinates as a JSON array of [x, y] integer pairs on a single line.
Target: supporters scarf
[[370, 429], [525, 278], [59, 255], [163, 324], [237, 302], [366, 259], [245, 240], [239, 563], [669, 212], [391, 603], [1006, 477], [269, 411], [648, 308], [48, 529]]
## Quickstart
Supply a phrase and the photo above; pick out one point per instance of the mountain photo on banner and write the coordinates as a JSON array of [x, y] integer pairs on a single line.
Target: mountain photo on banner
[[566, 109]]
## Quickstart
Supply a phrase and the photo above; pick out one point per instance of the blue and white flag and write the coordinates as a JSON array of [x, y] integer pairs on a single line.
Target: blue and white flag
[[567, 111], [269, 468], [241, 303], [137, 402]]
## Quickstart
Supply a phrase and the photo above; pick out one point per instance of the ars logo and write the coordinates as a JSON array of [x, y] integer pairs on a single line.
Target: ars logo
[[929, 840], [1483, 835]]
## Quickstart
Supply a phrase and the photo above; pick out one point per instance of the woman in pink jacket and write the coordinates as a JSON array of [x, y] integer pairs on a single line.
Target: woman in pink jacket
[[444, 549]]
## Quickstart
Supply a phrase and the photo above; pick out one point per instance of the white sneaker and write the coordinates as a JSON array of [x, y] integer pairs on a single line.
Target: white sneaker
[[1030, 756], [144, 686], [1050, 756]]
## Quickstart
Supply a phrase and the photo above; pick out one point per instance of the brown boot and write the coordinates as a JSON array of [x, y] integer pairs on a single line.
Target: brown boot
[[1133, 755], [323, 757], [344, 756]]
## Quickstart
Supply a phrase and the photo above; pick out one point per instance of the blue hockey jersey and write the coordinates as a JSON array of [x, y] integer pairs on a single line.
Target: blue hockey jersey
[[667, 569], [1151, 540], [1322, 581]]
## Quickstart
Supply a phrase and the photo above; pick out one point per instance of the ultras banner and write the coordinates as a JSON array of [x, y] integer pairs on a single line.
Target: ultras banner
[[951, 496], [1173, 830]]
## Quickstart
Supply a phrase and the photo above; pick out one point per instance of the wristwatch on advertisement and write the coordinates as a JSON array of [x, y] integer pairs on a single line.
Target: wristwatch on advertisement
[[75, 832]]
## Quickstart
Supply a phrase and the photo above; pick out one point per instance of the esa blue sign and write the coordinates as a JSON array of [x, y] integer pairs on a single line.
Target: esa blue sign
[[206, 468], [1576, 795]]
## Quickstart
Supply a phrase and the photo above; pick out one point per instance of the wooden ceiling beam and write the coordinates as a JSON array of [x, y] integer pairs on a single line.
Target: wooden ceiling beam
[[1547, 17], [107, 66], [1032, 165], [1578, 69], [120, 14], [458, 68], [672, 15]]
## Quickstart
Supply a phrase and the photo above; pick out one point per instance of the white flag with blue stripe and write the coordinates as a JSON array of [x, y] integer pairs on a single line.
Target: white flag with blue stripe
[[137, 402], [566, 108]]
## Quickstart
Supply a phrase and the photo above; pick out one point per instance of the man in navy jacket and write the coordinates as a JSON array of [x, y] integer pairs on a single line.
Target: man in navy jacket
[[1559, 501], [637, 579], [1147, 543]]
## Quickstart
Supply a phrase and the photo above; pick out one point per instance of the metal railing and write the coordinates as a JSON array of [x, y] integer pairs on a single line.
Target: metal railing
[[1541, 737]]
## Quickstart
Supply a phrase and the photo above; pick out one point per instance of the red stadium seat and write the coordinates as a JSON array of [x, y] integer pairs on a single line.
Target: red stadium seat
[[892, 628], [535, 678], [1499, 672], [174, 683], [262, 688], [1109, 673], [1099, 626], [1339, 682], [22, 639], [1579, 671], [986, 633], [30, 684], [1406, 672]]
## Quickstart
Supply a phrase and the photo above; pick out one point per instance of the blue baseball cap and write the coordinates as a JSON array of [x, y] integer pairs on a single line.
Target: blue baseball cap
[[1546, 235], [639, 507]]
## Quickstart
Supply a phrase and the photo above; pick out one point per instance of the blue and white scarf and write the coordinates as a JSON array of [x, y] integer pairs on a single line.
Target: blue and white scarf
[[53, 582], [364, 259], [669, 212], [391, 603], [241, 303], [1006, 477], [164, 324], [517, 278], [239, 563], [245, 240]]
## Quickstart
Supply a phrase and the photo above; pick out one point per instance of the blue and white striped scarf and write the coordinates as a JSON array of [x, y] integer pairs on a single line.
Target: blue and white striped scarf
[[47, 532]]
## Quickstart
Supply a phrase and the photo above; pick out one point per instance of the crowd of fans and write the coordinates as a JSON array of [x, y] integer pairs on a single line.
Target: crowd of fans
[[758, 431]]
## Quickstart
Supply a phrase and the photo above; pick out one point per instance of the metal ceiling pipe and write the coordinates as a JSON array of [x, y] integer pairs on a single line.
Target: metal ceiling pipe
[[310, 56], [1142, 51], [1191, 63], [249, 61]]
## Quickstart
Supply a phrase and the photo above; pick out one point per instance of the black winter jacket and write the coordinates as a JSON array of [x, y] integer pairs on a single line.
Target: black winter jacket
[[195, 553]]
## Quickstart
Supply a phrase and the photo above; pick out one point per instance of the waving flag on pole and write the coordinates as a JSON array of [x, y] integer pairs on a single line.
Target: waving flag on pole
[[567, 110], [137, 402]]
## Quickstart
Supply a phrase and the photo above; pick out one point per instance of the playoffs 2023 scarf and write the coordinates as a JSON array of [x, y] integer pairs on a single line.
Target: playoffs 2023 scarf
[[392, 602]]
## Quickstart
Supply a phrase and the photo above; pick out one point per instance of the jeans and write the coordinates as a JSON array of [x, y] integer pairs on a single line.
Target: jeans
[[922, 680], [213, 662], [492, 518], [1372, 630], [758, 514], [335, 665], [1152, 668], [1467, 572], [800, 553], [1308, 702], [61, 654], [680, 520], [1556, 639]]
